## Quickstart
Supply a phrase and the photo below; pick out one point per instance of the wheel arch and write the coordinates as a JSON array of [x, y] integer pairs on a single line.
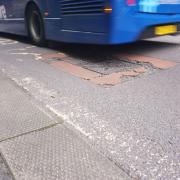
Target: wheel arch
[[31, 3]]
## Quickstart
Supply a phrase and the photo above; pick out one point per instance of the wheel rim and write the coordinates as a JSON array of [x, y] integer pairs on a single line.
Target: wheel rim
[[35, 26]]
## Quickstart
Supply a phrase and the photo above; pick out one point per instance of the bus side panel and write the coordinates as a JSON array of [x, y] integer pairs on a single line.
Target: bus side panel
[[53, 22], [10, 22], [81, 22], [86, 23], [14, 21]]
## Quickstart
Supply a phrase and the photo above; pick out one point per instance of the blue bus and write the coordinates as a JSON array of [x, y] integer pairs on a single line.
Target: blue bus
[[90, 21]]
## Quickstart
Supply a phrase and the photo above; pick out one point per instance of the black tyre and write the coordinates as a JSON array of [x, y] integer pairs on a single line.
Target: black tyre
[[35, 26]]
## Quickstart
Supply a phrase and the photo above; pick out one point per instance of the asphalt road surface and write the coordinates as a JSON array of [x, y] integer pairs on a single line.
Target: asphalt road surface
[[123, 101]]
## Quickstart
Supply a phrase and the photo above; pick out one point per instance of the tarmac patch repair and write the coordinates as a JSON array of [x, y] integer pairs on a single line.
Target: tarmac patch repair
[[138, 65]]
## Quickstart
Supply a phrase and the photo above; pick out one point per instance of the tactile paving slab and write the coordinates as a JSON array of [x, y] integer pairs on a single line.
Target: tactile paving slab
[[4, 171], [17, 113], [57, 154]]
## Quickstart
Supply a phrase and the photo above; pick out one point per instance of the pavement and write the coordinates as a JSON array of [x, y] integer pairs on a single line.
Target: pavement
[[90, 112], [34, 145]]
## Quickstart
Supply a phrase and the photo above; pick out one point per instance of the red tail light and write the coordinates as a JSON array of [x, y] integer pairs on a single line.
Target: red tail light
[[131, 2]]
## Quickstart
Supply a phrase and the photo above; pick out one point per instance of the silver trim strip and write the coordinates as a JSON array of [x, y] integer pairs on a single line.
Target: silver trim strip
[[22, 19], [53, 18], [12, 19]]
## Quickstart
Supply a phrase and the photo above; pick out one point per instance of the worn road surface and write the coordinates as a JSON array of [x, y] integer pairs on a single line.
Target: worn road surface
[[121, 104]]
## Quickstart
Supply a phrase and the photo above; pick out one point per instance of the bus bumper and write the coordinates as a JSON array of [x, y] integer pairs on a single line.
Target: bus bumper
[[138, 26]]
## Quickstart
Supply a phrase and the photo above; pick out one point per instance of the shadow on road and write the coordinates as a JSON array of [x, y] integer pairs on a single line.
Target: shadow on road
[[98, 53]]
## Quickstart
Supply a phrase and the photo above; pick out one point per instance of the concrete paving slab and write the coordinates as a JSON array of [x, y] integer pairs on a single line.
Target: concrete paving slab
[[57, 153], [17, 113]]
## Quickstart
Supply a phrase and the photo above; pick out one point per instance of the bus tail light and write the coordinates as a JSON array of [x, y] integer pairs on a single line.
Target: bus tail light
[[131, 2]]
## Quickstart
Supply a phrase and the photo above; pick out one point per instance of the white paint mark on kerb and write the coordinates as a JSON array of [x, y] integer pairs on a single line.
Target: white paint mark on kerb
[[29, 47], [7, 42], [3, 70], [31, 83], [67, 120], [20, 49], [19, 60], [57, 113], [27, 80], [36, 55]]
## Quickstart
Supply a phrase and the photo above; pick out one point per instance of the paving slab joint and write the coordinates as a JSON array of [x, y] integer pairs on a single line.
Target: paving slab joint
[[36, 130]]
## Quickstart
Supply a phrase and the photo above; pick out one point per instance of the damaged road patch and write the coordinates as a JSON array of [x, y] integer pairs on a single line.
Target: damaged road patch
[[111, 72], [105, 69]]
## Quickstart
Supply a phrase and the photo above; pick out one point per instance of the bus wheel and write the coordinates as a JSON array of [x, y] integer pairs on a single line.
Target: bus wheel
[[35, 26]]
